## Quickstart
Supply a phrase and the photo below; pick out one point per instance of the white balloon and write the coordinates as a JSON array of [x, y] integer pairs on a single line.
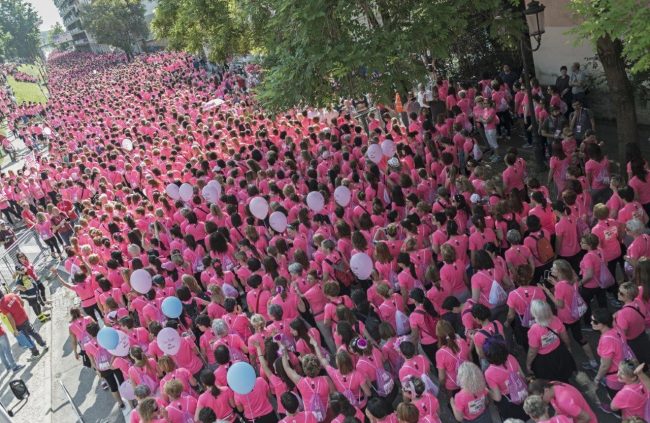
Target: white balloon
[[342, 195], [141, 281], [361, 265], [127, 144], [374, 153], [169, 341], [216, 186], [210, 194], [123, 345], [388, 148], [47, 132], [278, 221], [186, 191], [126, 391], [315, 201], [259, 207], [173, 191]]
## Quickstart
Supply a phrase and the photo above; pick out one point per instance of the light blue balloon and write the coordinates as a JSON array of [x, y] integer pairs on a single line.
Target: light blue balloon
[[241, 377], [172, 307], [108, 338]]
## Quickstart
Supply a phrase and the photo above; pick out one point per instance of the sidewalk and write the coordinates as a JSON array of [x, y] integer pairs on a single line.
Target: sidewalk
[[47, 402]]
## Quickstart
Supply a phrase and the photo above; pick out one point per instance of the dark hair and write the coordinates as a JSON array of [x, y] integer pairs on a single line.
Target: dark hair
[[222, 354], [208, 380], [603, 316], [480, 312], [407, 348], [482, 260], [533, 223], [206, 415], [450, 303], [419, 297], [538, 196], [290, 402], [378, 407], [496, 351]]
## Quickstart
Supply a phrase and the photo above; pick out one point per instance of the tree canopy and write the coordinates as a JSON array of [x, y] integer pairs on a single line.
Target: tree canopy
[[624, 20], [119, 23], [19, 34], [191, 25], [56, 30]]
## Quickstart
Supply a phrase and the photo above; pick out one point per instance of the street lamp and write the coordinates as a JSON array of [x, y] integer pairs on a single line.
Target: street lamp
[[534, 15]]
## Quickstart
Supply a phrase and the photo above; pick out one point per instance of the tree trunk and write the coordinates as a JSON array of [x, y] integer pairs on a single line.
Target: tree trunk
[[620, 88]]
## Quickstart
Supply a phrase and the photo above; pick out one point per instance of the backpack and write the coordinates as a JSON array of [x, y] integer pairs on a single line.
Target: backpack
[[385, 382], [545, 251], [628, 354], [347, 393], [497, 295], [603, 176], [605, 279], [186, 417], [458, 362], [342, 272], [578, 305], [316, 405], [517, 387], [527, 318], [103, 361], [402, 326]]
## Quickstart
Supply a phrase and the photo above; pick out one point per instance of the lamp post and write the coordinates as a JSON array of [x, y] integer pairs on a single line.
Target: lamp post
[[534, 15]]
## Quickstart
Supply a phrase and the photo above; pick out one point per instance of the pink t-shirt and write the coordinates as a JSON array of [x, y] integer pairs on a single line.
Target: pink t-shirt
[[520, 299], [449, 360], [631, 400], [256, 403], [640, 247], [308, 387], [567, 229], [610, 345], [186, 357], [569, 401], [497, 377], [545, 339], [219, 404], [470, 405], [452, 277], [607, 231], [566, 292], [631, 319], [482, 280]]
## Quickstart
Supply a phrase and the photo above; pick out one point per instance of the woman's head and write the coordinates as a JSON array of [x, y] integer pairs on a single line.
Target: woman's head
[[470, 378], [535, 407], [563, 270], [601, 318], [628, 291], [541, 312], [310, 365]]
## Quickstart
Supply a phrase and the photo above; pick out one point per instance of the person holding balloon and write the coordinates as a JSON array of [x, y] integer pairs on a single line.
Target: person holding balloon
[[252, 394], [97, 349]]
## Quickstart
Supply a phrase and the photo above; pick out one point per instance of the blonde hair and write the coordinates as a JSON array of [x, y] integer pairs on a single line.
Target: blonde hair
[[601, 211], [470, 378], [629, 289], [535, 406], [408, 413], [174, 388], [541, 312], [565, 270], [258, 321]]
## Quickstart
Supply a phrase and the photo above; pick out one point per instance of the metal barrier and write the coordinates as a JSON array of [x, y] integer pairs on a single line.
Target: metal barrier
[[74, 407], [29, 243]]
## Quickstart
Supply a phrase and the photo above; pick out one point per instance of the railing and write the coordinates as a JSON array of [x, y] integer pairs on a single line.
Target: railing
[[74, 407], [24, 244]]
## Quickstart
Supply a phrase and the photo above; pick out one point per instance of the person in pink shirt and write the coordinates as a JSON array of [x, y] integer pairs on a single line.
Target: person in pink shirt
[[629, 208], [423, 323], [488, 284], [549, 355], [101, 361], [378, 411], [640, 247], [610, 234], [453, 277], [519, 304], [640, 183], [632, 399], [470, 404], [532, 241], [570, 305], [182, 407], [292, 405], [612, 350], [567, 241], [44, 228], [452, 352], [506, 381], [313, 388], [220, 400], [149, 411], [513, 177], [565, 400], [630, 321], [518, 254], [255, 405], [79, 335]]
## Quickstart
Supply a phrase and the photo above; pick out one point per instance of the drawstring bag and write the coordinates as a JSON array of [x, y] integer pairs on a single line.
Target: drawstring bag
[[517, 387], [497, 295], [527, 317], [578, 305], [385, 383], [605, 279], [402, 326], [316, 405]]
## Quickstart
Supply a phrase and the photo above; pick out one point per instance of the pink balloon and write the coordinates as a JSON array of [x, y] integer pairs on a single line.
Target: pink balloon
[[259, 207], [361, 265], [278, 221], [342, 195], [169, 341], [374, 153], [315, 201]]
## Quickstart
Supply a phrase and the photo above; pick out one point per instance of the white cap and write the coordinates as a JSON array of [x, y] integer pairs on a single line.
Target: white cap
[[475, 198], [393, 162]]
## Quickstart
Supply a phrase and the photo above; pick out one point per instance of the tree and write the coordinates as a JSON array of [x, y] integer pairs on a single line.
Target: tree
[[19, 23], [192, 25], [119, 23], [619, 31], [56, 30], [318, 51]]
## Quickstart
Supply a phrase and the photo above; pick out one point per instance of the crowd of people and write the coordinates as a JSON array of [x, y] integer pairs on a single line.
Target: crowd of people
[[371, 271]]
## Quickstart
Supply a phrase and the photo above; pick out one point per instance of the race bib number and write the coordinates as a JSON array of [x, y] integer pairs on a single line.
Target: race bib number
[[578, 128], [548, 339], [610, 233], [557, 133], [476, 406]]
